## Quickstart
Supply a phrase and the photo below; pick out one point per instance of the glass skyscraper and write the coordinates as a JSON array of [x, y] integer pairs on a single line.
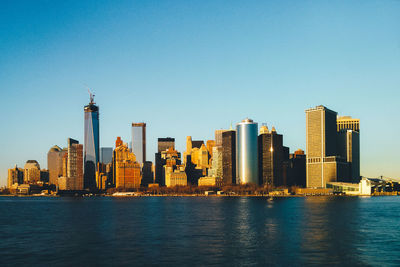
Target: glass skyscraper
[[139, 141], [246, 152], [91, 144]]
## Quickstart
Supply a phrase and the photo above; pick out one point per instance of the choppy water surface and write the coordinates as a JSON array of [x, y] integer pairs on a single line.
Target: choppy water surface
[[200, 231]]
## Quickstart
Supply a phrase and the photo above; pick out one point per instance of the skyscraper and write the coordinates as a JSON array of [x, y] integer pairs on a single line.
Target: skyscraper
[[72, 178], [139, 141], [218, 137], [229, 157], [75, 163], [54, 163], [270, 156], [163, 145], [349, 144], [247, 152], [323, 163], [91, 144]]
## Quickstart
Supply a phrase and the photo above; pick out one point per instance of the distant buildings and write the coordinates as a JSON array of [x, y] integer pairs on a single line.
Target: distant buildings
[[246, 152], [91, 143], [238, 156], [139, 141]]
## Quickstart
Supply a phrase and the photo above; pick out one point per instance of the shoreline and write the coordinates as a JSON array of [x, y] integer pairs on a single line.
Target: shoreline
[[203, 196]]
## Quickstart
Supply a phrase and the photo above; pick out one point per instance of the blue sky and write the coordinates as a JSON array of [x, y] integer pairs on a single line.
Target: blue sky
[[190, 67]]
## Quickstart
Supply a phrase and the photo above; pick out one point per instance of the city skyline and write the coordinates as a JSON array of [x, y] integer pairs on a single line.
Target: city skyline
[[281, 59]]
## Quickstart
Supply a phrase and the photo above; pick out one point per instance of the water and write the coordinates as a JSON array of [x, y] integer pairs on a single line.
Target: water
[[198, 231]]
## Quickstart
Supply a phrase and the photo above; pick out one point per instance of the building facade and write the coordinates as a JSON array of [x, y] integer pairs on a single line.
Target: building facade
[[271, 157], [229, 157], [323, 163], [31, 172], [72, 178], [349, 145], [175, 177], [216, 164], [127, 169], [54, 163], [15, 176]]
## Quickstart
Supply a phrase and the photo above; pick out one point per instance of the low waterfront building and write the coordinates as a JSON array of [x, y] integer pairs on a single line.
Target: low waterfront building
[[364, 187], [210, 181]]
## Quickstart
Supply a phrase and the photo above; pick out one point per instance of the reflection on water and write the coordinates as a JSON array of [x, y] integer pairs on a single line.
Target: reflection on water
[[200, 231]]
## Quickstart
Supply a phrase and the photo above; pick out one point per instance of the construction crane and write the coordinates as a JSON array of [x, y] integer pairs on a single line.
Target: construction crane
[[90, 94]]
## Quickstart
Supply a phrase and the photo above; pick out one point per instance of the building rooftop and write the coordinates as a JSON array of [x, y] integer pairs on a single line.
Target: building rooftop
[[55, 148]]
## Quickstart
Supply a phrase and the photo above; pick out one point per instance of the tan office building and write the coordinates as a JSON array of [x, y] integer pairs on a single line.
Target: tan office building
[[323, 164]]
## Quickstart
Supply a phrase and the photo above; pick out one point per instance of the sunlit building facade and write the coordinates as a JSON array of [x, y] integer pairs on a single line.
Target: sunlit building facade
[[15, 176], [72, 178], [127, 169], [323, 163], [31, 172], [175, 176]]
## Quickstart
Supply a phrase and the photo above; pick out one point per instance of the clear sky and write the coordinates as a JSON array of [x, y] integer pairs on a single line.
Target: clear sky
[[190, 67]]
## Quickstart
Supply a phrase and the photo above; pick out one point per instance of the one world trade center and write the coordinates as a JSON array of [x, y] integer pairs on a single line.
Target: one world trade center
[[91, 144]]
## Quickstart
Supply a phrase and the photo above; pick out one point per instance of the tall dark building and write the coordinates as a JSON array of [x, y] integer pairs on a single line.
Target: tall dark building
[[147, 173], [165, 143], [271, 155], [297, 169], [91, 144], [229, 157]]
